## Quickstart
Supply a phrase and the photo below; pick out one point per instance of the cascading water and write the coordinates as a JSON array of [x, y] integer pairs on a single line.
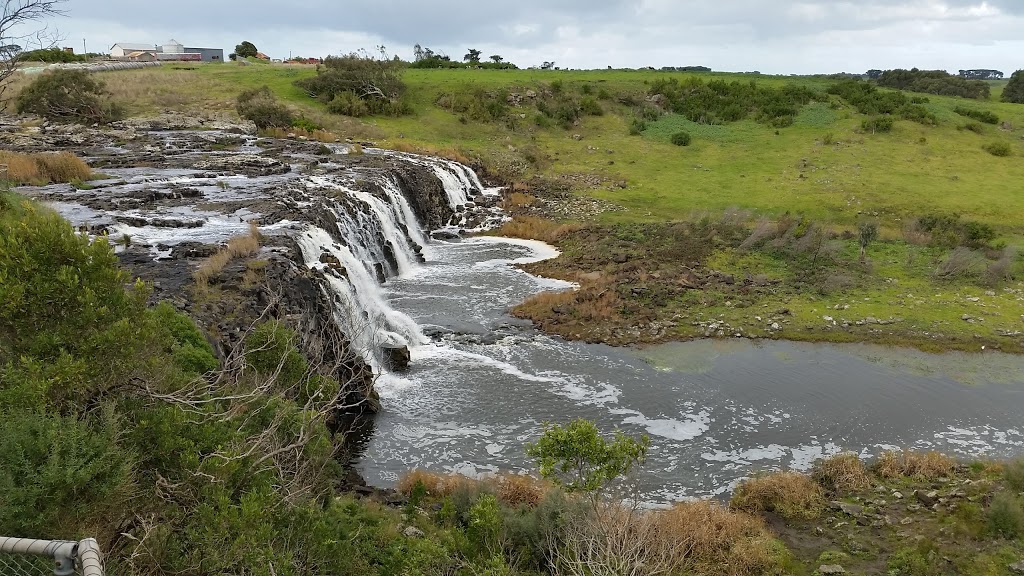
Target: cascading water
[[378, 238]]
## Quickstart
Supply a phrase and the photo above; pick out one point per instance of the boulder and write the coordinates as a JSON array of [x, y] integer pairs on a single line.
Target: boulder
[[826, 569], [395, 358], [1017, 568], [413, 532], [927, 498]]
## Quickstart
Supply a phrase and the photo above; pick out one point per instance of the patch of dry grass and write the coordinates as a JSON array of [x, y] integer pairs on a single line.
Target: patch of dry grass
[[918, 465], [436, 485], [449, 152], [720, 541], [157, 89], [301, 133], [517, 201], [789, 494], [520, 489], [842, 473], [238, 247], [536, 228], [44, 168]]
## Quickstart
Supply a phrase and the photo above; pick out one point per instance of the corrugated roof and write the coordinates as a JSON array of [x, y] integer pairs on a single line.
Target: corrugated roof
[[129, 46]]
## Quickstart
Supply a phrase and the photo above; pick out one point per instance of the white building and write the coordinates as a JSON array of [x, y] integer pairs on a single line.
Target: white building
[[172, 46], [123, 49]]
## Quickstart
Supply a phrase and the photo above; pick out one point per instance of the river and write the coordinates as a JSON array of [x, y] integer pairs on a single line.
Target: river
[[716, 411]]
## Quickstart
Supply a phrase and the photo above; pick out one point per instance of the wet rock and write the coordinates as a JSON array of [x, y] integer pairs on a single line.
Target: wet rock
[[395, 358], [173, 121], [250, 164], [831, 569]]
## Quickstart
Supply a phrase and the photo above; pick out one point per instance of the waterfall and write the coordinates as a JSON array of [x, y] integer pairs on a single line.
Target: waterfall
[[378, 237]]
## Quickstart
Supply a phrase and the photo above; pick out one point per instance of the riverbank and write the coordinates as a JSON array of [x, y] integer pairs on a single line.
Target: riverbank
[[730, 275]]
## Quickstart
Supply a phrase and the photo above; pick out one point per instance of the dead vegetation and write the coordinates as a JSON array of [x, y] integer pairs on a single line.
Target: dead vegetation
[[842, 473], [916, 465], [535, 227], [238, 247], [301, 134], [788, 494], [449, 152], [43, 168], [513, 490]]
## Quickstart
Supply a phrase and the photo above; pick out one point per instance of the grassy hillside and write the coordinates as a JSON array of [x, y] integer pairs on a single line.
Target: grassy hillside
[[825, 172]]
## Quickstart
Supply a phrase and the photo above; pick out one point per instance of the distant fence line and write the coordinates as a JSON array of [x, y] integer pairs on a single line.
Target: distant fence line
[[91, 66]]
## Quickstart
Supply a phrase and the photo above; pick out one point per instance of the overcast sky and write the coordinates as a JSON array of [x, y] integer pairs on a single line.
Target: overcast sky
[[773, 36]]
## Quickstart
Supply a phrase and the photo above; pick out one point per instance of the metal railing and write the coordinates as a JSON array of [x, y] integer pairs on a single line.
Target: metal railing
[[26, 557]]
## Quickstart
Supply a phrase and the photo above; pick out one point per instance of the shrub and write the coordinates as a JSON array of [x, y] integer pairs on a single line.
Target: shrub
[[980, 115], [261, 106], [720, 541], [961, 263], [937, 82], [591, 107], [72, 95], [877, 124], [520, 490], [1000, 149], [718, 101], [681, 139], [1006, 515], [841, 473], [637, 127], [918, 465], [348, 104], [974, 127], [1013, 92], [1013, 473], [789, 494], [868, 99], [375, 81]]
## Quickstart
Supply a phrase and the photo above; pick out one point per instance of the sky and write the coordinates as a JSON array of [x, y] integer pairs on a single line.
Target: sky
[[770, 36]]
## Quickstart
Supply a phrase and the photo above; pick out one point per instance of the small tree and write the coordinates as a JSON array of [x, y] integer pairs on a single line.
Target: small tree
[[65, 94], [497, 59], [15, 17], [246, 50], [1014, 91], [260, 106], [577, 458], [473, 56], [867, 233]]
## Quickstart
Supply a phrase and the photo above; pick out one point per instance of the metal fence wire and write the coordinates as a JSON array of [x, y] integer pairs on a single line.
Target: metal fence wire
[[25, 557]]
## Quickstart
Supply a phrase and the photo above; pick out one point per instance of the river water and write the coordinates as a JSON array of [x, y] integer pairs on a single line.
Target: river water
[[716, 411]]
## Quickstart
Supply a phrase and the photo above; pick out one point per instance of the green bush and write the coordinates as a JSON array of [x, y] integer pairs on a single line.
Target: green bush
[[877, 124], [868, 99], [974, 127], [637, 127], [1013, 92], [1013, 472], [348, 104], [937, 82], [681, 138], [589, 106], [377, 82], [261, 106], [1006, 516], [979, 115], [70, 95], [718, 101], [1000, 149], [270, 350], [59, 472]]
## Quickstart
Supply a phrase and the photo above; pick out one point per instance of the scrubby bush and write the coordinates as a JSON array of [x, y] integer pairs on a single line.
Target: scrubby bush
[[1014, 90], [877, 124], [980, 115], [974, 127], [261, 106], [918, 465], [841, 473], [718, 101], [637, 127], [1006, 515], [950, 231], [377, 82], [868, 99], [681, 139], [999, 149], [789, 494], [348, 104], [937, 82], [69, 95]]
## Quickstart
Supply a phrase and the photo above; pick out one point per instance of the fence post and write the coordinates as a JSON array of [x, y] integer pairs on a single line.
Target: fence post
[[86, 554]]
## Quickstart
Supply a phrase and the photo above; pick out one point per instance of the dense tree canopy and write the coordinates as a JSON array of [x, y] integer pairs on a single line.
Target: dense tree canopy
[[1014, 91], [246, 50]]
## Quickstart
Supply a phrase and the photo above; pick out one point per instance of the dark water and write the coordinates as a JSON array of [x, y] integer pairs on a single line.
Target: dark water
[[716, 411]]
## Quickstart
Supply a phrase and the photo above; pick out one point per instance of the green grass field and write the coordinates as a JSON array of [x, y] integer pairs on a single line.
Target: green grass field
[[823, 167]]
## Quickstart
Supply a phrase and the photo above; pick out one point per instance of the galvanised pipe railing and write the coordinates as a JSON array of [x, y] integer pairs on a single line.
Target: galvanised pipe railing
[[84, 554]]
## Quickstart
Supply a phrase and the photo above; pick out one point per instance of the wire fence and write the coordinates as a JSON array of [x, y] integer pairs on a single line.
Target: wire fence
[[25, 557]]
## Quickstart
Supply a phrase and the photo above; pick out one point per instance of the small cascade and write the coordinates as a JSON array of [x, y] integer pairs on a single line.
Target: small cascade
[[378, 237], [361, 308], [379, 232]]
